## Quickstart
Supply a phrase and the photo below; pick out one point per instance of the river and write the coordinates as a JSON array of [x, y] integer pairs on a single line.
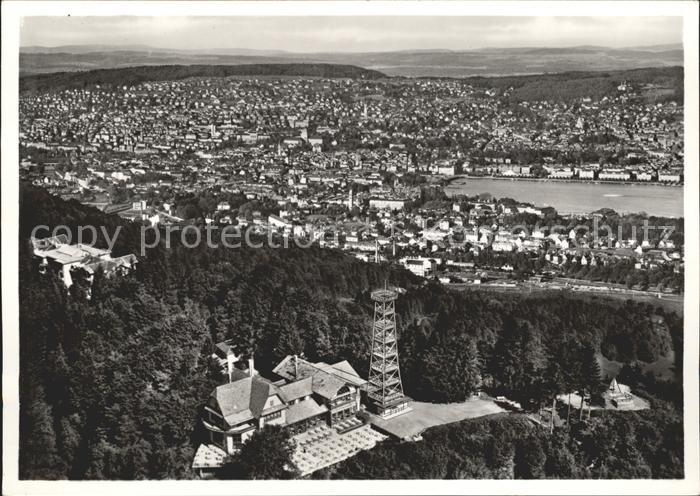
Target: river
[[578, 197]]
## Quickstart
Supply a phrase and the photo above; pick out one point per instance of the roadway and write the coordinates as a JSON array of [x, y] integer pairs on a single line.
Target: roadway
[[574, 285]]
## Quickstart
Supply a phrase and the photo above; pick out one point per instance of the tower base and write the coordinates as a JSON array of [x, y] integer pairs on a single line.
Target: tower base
[[394, 408]]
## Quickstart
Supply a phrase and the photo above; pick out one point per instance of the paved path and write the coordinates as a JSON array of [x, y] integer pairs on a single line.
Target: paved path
[[425, 415]]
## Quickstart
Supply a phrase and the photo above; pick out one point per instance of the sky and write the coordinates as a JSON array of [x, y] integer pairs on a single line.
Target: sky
[[350, 34]]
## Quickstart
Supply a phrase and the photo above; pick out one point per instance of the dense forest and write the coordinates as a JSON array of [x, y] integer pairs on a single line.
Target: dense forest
[[572, 85], [136, 75], [111, 385], [614, 445]]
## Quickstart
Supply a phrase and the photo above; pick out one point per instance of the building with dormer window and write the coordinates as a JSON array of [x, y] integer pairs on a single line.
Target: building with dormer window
[[305, 395]]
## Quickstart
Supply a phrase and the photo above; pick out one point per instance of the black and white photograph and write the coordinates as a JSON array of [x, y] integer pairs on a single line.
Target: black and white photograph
[[412, 243]]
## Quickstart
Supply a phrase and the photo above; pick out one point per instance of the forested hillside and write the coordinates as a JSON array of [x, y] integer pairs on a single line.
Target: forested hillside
[[135, 75], [110, 386], [566, 86], [614, 445], [659, 83]]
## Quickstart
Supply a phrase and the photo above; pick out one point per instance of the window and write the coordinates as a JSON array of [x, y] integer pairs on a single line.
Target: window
[[217, 438], [272, 416], [237, 440], [213, 418]]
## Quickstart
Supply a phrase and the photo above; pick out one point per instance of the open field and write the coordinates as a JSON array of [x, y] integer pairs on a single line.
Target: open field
[[426, 415]]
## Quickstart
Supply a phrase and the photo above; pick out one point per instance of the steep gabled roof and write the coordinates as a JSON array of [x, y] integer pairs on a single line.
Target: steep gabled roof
[[222, 348], [243, 399], [326, 380], [233, 400], [304, 410], [345, 371], [297, 389]]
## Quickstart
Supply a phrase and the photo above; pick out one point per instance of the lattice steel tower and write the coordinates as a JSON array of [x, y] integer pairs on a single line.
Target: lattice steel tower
[[384, 388]]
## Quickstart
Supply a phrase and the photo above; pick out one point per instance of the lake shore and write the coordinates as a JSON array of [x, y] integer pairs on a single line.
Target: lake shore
[[559, 180], [577, 197]]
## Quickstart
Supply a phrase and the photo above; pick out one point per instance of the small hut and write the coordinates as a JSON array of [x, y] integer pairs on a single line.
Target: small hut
[[620, 395]]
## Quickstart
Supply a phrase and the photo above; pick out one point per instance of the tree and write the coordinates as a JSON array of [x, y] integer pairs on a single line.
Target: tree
[[499, 454], [39, 458], [529, 459], [69, 438], [189, 211], [561, 462], [266, 455], [554, 382], [591, 379], [117, 193], [449, 372], [572, 376], [519, 358]]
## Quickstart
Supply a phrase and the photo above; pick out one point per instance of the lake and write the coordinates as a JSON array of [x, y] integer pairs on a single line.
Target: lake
[[578, 197]]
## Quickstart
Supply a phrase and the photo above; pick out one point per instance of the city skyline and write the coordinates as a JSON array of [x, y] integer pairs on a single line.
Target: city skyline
[[314, 34]]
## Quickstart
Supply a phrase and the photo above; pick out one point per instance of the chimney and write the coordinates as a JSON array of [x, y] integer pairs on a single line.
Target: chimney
[[230, 360], [296, 367], [251, 367]]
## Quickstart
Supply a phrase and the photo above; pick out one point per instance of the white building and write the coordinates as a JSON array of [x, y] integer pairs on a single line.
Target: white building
[[387, 203], [669, 178], [503, 246], [446, 170], [420, 266], [277, 222], [561, 174], [586, 174], [308, 394], [63, 258], [614, 175]]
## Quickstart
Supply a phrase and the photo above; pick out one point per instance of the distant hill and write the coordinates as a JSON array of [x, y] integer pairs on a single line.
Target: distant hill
[[141, 74], [661, 83], [412, 63], [82, 49], [77, 49]]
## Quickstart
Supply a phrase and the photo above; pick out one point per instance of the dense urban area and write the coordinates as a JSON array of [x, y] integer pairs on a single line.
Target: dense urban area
[[532, 343], [360, 165]]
